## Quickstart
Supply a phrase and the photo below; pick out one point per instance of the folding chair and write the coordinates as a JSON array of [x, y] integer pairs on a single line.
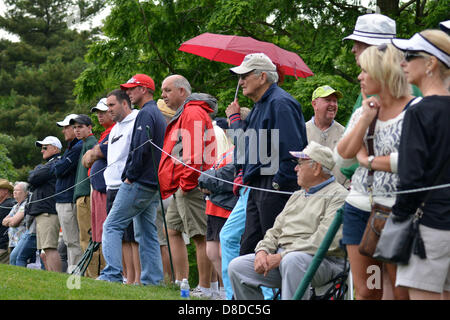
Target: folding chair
[[339, 287]]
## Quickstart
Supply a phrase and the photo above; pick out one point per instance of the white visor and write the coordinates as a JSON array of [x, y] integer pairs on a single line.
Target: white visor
[[420, 43]]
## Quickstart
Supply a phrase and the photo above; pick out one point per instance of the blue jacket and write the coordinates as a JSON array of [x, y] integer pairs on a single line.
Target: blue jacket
[[96, 177], [139, 166], [42, 182], [277, 110], [65, 170]]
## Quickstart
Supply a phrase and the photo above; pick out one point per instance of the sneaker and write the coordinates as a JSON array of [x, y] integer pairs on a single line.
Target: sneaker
[[217, 295], [200, 292]]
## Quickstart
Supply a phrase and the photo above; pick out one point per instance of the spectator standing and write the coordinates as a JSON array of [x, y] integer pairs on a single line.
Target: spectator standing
[[423, 152], [82, 126], [42, 206], [275, 114], [220, 200], [322, 128], [283, 256], [115, 151], [189, 136], [381, 75], [96, 166], [65, 171], [137, 197], [6, 204]]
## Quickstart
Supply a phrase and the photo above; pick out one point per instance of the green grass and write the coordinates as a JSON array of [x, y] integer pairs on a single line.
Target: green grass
[[17, 283]]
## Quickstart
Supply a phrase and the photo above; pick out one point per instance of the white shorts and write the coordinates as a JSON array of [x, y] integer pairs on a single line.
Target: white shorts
[[433, 273]]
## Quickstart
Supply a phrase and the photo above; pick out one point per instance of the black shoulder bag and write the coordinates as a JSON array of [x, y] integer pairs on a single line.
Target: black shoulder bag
[[400, 238]]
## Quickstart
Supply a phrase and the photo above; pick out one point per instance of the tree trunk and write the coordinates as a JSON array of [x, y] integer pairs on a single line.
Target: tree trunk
[[388, 7]]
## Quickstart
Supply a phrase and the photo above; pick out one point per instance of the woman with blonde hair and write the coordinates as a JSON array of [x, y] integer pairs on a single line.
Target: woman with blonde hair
[[423, 154], [381, 75]]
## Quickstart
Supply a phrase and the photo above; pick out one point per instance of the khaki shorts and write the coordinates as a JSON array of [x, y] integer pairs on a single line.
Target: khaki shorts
[[186, 213], [47, 231], [432, 273]]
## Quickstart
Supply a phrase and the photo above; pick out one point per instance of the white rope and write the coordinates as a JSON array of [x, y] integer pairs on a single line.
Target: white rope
[[442, 186], [87, 178], [290, 193]]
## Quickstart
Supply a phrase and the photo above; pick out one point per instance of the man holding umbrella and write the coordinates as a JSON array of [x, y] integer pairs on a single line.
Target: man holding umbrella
[[277, 124]]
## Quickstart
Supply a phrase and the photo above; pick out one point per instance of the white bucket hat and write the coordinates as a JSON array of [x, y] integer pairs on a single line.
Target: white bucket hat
[[420, 43], [373, 29]]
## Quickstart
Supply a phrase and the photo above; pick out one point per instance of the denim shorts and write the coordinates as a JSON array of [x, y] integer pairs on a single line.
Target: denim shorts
[[355, 221]]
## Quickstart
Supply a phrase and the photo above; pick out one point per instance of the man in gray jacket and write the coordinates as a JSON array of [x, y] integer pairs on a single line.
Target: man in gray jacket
[[283, 256]]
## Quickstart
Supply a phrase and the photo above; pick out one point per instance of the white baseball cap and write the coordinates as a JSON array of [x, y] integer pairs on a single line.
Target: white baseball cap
[[373, 29], [101, 106], [254, 61], [66, 120], [50, 140]]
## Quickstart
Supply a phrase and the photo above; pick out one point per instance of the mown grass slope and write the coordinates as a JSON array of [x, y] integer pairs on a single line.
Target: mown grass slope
[[17, 283]]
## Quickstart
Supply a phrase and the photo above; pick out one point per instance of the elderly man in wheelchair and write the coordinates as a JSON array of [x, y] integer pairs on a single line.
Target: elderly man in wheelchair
[[283, 256]]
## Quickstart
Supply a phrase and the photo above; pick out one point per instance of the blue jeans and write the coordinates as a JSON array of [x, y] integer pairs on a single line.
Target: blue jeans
[[230, 237], [230, 241], [25, 250], [134, 202]]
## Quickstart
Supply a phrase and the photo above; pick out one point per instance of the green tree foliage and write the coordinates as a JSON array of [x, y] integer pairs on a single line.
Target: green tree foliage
[[144, 37], [38, 72]]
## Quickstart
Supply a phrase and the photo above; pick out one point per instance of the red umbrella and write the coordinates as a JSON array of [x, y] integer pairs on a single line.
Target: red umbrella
[[233, 49]]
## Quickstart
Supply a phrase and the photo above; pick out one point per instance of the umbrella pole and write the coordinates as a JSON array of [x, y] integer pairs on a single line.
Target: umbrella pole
[[237, 91]]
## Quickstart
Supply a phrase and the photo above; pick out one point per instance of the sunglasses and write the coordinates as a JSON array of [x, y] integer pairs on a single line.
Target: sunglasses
[[412, 55], [44, 148], [301, 162], [245, 75]]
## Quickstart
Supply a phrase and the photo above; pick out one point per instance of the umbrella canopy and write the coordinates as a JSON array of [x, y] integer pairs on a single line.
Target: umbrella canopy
[[233, 49]]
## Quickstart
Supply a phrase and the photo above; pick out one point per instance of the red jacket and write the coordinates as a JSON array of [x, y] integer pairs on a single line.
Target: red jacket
[[190, 138]]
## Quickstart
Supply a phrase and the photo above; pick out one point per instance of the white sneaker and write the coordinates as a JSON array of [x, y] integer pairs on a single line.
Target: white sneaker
[[200, 292], [217, 295]]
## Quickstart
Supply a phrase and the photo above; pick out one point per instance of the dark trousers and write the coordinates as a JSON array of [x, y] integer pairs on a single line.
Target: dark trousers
[[262, 209]]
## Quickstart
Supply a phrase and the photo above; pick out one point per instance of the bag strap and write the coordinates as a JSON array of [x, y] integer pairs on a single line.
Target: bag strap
[[371, 151]]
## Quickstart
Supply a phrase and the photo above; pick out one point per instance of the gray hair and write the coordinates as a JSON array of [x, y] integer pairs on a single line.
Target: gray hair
[[24, 185], [182, 82], [327, 172], [272, 76]]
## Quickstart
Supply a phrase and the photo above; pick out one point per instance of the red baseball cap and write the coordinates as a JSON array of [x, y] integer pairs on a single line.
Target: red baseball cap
[[137, 80]]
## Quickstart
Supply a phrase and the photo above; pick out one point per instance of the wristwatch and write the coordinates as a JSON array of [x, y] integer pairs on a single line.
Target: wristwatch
[[369, 162], [275, 185]]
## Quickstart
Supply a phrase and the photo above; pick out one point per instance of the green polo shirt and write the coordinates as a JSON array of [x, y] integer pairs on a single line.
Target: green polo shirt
[[84, 188]]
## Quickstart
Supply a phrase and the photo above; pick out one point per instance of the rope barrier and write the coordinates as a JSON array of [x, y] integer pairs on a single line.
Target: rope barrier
[[442, 186]]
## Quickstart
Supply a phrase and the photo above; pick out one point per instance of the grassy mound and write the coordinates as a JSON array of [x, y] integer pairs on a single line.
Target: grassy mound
[[17, 283]]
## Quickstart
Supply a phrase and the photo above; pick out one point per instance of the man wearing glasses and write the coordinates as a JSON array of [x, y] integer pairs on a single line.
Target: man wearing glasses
[[277, 125], [42, 204], [283, 256]]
